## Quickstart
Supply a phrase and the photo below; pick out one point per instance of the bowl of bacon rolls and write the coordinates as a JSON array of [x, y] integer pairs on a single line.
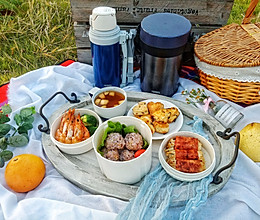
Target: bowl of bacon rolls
[[72, 132], [187, 156]]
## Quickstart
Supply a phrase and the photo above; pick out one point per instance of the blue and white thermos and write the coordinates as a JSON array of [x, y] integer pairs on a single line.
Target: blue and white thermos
[[104, 35]]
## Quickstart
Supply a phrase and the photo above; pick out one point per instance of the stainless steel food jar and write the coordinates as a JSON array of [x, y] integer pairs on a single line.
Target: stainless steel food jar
[[163, 37]]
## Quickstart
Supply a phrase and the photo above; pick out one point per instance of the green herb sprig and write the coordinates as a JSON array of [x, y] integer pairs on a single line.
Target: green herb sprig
[[14, 136]]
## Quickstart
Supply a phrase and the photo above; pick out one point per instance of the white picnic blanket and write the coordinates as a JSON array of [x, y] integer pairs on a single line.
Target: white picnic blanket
[[57, 198]]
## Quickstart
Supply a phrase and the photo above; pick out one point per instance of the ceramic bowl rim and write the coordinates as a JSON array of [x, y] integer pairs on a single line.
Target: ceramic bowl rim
[[179, 174], [79, 144], [106, 89]]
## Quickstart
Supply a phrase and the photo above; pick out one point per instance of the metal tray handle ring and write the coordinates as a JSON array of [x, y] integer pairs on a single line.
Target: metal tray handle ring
[[216, 178], [47, 128]]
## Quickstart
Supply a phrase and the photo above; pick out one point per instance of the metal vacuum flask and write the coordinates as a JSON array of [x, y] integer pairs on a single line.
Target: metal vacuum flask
[[163, 37]]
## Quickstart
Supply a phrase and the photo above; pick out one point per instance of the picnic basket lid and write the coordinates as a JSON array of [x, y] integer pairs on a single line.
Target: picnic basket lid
[[233, 45]]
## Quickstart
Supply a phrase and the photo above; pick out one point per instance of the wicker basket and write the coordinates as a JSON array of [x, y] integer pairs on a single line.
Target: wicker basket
[[234, 47]]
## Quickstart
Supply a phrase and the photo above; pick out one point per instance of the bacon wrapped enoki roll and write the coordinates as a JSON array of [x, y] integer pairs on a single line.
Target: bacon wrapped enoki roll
[[184, 154]]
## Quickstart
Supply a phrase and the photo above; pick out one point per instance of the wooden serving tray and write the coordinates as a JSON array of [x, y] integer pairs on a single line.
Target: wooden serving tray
[[83, 170]]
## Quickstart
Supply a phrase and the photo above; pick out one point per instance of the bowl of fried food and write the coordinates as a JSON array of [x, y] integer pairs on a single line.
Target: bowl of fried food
[[187, 156], [162, 117], [72, 132]]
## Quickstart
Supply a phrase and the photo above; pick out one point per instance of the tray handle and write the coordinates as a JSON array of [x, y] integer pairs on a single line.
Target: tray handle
[[47, 128], [216, 178]]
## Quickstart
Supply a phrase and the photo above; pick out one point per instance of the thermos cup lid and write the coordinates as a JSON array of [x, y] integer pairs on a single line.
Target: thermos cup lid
[[103, 19], [103, 28], [104, 38], [165, 30]]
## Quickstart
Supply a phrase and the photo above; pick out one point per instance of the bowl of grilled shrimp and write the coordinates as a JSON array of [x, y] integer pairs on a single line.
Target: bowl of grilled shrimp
[[72, 132]]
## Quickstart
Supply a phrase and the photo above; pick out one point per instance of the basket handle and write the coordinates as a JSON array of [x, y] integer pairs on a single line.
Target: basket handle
[[249, 11]]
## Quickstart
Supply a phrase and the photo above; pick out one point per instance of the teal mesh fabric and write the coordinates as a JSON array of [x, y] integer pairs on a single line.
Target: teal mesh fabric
[[159, 192], [197, 126]]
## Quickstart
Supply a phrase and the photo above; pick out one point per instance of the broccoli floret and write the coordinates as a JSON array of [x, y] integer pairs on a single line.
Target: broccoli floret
[[89, 120], [91, 129]]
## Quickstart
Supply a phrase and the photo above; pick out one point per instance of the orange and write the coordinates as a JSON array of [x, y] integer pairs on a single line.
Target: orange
[[24, 172]]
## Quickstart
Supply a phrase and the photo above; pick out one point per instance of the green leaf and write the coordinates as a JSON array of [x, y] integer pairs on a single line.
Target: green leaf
[[18, 119], [4, 118], [26, 112], [130, 129], [145, 144], [3, 143], [25, 127], [6, 155], [2, 162], [18, 141], [26, 135], [4, 129], [6, 109], [29, 119]]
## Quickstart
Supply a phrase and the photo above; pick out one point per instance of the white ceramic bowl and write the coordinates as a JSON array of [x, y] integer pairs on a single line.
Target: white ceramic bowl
[[77, 148], [110, 112], [208, 153], [130, 171]]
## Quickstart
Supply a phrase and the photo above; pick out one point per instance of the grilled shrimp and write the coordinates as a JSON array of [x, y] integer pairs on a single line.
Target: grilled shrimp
[[78, 130], [86, 133], [61, 133], [67, 121], [71, 129]]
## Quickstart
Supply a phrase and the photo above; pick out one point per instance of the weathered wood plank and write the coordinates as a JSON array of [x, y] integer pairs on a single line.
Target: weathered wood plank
[[82, 40], [81, 33], [84, 55], [213, 12], [83, 43], [205, 15]]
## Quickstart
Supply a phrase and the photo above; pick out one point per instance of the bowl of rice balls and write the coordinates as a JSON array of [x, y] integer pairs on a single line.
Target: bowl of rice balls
[[123, 147]]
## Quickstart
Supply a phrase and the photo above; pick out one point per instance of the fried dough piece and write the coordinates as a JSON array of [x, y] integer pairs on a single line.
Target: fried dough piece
[[148, 120], [161, 115], [161, 127], [173, 114], [140, 109], [153, 107]]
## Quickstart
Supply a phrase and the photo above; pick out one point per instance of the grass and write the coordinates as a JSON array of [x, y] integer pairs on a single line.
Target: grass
[[239, 9], [38, 33]]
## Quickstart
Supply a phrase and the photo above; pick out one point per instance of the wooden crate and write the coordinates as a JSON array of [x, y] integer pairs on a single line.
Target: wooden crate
[[205, 16]]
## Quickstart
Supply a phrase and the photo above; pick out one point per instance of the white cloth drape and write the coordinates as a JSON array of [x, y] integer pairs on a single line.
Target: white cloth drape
[[57, 198]]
